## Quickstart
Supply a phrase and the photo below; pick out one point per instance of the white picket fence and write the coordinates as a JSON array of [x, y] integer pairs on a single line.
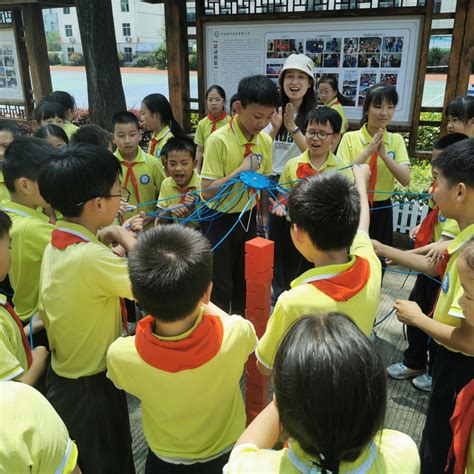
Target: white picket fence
[[408, 216]]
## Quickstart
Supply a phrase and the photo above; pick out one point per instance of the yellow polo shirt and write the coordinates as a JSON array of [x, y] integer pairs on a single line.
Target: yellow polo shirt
[[70, 129], [353, 144], [304, 298], [80, 287], [12, 354], [33, 438], [30, 234], [337, 106], [150, 176], [177, 427], [4, 193], [163, 136], [203, 130], [289, 179], [390, 452], [224, 153], [447, 308], [170, 191]]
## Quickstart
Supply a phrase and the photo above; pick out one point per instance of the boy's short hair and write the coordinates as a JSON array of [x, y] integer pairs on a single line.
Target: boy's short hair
[[10, 126], [179, 144], [5, 224], [170, 270], [63, 98], [125, 117], [448, 140], [456, 163], [92, 135], [24, 158], [77, 174], [327, 208], [47, 109], [323, 115], [258, 90]]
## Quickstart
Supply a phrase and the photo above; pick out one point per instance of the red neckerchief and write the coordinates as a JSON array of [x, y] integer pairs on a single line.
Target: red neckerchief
[[214, 120], [24, 339], [62, 239], [373, 177], [347, 284], [183, 192], [461, 422], [425, 232], [248, 146], [192, 352], [131, 175], [305, 170], [154, 142], [443, 264]]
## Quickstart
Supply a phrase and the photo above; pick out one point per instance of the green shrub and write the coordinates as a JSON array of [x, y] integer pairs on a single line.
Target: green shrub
[[194, 120], [161, 57], [144, 61], [54, 58], [419, 182], [76, 59], [121, 58]]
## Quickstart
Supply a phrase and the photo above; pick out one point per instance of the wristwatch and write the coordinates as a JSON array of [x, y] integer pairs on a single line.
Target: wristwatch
[[295, 130]]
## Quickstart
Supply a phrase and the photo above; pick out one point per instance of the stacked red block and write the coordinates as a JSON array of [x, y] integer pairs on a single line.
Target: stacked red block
[[258, 275]]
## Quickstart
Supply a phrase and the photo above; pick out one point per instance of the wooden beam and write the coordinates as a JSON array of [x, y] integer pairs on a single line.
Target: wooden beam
[[37, 51], [43, 4], [454, 66], [178, 61], [23, 61], [465, 58], [422, 63]]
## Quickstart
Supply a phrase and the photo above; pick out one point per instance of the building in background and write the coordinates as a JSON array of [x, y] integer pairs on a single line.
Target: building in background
[[139, 28]]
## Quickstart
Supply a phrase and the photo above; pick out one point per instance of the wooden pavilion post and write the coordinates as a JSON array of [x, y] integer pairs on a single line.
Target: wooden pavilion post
[[37, 50], [178, 61]]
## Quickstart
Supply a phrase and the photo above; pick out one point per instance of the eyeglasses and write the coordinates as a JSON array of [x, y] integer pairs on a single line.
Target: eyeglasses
[[323, 92], [318, 135], [124, 196], [214, 100]]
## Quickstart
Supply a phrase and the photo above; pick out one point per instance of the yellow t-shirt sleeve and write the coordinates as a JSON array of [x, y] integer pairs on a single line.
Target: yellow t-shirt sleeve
[[401, 153], [277, 326], [113, 364], [199, 137], [213, 167], [250, 336], [344, 150], [10, 367], [455, 309], [158, 175], [450, 228], [165, 193], [248, 458], [285, 178], [107, 272]]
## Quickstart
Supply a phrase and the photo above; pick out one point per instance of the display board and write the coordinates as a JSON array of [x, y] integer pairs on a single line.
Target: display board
[[10, 82], [359, 53]]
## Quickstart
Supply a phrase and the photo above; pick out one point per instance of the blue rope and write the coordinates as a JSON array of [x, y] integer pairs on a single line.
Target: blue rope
[[31, 334], [384, 318], [403, 272]]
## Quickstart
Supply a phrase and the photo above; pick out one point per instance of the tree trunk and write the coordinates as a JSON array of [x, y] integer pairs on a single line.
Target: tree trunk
[[104, 82]]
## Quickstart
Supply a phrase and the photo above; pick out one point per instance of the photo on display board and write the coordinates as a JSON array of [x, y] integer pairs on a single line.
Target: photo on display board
[[331, 60], [388, 79], [274, 69], [317, 59], [349, 86], [314, 45], [366, 81], [392, 44], [391, 60], [333, 45], [368, 61], [280, 48], [370, 45], [350, 60], [351, 45]]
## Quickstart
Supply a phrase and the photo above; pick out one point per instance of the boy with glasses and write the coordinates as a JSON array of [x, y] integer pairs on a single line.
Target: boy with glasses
[[322, 130]]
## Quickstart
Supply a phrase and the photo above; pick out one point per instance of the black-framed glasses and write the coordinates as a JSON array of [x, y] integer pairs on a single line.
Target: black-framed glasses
[[124, 196], [318, 135]]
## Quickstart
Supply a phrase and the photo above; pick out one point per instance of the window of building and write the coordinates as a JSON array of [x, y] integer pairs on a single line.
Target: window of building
[[69, 52], [124, 6], [126, 31], [67, 10], [68, 29], [128, 54]]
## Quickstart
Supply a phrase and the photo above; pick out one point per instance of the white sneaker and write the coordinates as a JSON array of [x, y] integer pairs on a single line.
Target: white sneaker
[[423, 382], [401, 372]]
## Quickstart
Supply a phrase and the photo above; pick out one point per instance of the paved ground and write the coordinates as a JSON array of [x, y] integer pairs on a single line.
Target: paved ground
[[406, 405]]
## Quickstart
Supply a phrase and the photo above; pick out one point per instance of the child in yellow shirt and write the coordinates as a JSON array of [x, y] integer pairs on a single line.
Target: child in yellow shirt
[[180, 191]]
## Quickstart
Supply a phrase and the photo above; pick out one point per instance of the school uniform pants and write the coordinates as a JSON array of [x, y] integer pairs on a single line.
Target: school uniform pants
[[424, 293], [155, 465], [381, 222], [451, 372], [96, 416], [228, 290], [289, 263]]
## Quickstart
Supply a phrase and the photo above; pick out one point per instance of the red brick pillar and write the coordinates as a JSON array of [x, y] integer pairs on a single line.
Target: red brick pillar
[[258, 275]]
